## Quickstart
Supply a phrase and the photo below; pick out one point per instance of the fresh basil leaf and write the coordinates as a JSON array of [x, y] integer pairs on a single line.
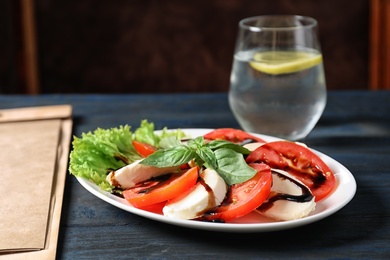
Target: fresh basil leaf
[[198, 161], [232, 166], [196, 143], [208, 156], [218, 144], [175, 156]]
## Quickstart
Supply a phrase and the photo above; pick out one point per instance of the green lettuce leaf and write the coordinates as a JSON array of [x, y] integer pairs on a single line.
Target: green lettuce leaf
[[145, 134], [97, 153]]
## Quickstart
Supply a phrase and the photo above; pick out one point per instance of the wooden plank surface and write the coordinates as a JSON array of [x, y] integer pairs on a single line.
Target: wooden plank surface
[[354, 130]]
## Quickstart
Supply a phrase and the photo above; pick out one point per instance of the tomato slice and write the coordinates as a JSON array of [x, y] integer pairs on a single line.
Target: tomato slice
[[299, 161], [232, 135], [156, 208], [244, 197], [161, 189], [143, 149]]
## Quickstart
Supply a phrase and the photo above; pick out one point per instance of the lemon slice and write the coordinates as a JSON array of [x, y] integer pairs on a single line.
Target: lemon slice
[[283, 62]]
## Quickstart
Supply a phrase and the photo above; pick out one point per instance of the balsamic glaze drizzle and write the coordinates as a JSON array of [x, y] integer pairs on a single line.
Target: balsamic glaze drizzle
[[306, 195]]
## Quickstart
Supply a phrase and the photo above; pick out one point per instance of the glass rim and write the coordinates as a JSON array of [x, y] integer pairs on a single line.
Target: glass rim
[[243, 23]]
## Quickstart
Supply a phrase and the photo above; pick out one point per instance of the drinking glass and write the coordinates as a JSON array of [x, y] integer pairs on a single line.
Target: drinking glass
[[277, 84]]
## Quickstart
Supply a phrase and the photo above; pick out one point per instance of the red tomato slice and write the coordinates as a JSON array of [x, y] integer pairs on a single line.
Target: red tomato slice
[[156, 208], [232, 135], [158, 190], [299, 161], [143, 149], [244, 197]]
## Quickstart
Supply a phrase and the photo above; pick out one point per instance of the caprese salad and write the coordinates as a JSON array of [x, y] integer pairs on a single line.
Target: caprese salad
[[220, 176]]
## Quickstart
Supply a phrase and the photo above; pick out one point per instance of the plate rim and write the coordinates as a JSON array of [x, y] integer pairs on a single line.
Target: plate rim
[[344, 177]]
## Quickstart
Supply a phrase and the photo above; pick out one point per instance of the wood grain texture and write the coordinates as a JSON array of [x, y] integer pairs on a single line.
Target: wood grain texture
[[354, 130]]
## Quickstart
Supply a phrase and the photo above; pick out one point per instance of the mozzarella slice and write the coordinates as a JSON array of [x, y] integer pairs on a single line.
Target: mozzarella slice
[[283, 185], [253, 146], [199, 199], [129, 175]]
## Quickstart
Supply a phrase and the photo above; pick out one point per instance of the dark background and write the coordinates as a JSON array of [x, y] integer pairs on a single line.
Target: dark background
[[169, 46]]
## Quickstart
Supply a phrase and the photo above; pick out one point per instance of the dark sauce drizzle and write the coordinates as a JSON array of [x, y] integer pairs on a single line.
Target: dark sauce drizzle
[[247, 141], [211, 202], [120, 157], [306, 195], [117, 192], [160, 181], [212, 207]]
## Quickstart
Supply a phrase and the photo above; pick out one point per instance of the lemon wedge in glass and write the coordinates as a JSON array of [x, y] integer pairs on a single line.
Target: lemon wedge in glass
[[283, 62]]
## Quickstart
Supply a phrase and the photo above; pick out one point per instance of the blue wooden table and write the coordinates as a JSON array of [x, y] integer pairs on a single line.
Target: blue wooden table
[[354, 130]]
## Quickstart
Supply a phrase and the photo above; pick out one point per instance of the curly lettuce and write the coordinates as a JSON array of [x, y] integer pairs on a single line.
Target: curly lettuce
[[97, 153]]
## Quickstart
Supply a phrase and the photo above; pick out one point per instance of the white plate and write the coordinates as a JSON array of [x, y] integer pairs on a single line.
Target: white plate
[[253, 222]]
